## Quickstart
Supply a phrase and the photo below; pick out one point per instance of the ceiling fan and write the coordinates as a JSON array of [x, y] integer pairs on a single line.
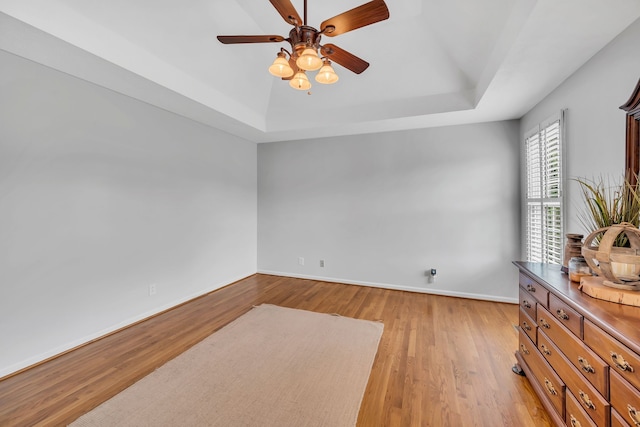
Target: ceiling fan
[[305, 43]]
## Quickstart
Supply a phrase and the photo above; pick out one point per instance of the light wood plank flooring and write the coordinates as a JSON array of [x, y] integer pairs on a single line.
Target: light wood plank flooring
[[441, 362]]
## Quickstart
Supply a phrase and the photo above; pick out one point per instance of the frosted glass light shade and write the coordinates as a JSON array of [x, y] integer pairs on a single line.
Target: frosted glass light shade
[[300, 81], [309, 60], [281, 67], [326, 75]]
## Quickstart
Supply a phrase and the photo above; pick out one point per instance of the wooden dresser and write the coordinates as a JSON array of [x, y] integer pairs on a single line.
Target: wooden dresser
[[580, 354]]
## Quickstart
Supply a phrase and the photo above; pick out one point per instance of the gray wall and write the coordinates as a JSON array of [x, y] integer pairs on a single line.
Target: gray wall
[[595, 126], [381, 209], [101, 196]]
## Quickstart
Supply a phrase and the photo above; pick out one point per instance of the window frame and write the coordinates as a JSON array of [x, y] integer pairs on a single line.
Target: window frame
[[558, 201]]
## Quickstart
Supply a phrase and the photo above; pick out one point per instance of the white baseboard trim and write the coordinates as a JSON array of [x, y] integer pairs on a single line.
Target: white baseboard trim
[[100, 334], [482, 297]]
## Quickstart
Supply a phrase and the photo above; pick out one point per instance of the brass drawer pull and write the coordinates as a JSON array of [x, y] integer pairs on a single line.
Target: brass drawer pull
[[585, 365], [544, 324], [575, 422], [526, 304], [524, 349], [586, 400], [550, 388], [562, 315], [635, 416], [531, 288], [620, 363], [545, 349], [526, 326]]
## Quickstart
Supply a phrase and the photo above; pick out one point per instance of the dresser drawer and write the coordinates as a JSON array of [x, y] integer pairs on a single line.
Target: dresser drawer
[[576, 416], [528, 303], [566, 315], [528, 325], [525, 346], [625, 399], [617, 420], [590, 365], [594, 404], [536, 290], [550, 382], [618, 356]]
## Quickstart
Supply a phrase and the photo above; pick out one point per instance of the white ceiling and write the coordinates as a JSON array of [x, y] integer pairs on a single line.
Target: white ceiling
[[433, 62]]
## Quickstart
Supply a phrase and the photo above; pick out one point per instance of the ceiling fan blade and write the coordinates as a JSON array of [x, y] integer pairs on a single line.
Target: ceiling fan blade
[[361, 16], [287, 11], [344, 58], [250, 39]]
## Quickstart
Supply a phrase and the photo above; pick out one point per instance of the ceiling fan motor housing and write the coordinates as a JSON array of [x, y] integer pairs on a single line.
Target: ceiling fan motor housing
[[303, 36]]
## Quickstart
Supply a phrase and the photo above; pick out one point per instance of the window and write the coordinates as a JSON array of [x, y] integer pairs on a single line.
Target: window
[[544, 188]]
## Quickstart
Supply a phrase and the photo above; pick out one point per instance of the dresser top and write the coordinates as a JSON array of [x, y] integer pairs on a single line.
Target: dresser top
[[620, 321]]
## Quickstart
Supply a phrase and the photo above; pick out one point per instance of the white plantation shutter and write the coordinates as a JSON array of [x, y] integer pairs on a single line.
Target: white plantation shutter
[[544, 182]]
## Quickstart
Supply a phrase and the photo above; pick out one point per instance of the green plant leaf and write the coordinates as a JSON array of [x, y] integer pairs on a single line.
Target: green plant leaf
[[608, 203]]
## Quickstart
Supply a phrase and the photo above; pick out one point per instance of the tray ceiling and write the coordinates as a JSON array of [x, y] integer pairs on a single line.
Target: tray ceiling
[[433, 62]]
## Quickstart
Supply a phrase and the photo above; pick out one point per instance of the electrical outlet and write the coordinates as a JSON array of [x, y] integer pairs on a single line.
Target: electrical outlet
[[431, 275], [321, 263], [153, 289], [300, 261]]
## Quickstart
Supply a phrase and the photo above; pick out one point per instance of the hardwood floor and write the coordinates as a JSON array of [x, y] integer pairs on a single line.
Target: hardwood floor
[[441, 361]]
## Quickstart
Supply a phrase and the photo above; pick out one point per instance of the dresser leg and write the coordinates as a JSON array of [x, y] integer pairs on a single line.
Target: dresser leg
[[517, 370]]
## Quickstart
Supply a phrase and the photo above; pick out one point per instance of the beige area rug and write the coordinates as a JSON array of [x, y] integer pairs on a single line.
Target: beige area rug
[[273, 366]]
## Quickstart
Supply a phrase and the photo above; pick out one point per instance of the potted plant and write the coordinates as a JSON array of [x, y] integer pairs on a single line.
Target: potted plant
[[609, 203], [612, 217]]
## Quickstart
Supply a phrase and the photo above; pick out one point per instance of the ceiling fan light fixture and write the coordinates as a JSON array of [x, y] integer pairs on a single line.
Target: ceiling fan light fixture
[[281, 67], [300, 81], [326, 75], [309, 60], [307, 54]]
